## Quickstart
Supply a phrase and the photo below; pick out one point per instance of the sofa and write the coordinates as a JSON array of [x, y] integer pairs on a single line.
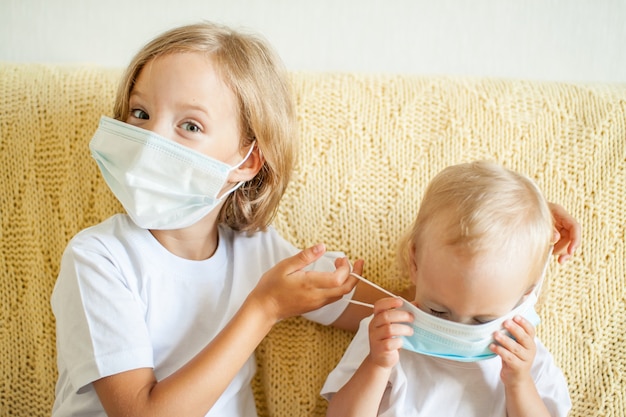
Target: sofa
[[369, 145]]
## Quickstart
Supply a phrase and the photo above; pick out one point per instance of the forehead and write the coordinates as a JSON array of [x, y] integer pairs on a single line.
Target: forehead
[[486, 283], [187, 85], [186, 72]]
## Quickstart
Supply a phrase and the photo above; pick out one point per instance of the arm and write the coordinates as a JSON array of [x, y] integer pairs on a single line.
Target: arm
[[567, 233], [362, 394], [283, 291], [518, 354], [353, 314]]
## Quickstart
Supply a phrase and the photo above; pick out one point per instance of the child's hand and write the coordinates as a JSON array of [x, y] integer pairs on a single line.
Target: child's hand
[[567, 233], [384, 329], [517, 352], [286, 290]]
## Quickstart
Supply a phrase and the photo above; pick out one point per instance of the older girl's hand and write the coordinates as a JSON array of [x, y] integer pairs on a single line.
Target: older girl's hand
[[567, 233]]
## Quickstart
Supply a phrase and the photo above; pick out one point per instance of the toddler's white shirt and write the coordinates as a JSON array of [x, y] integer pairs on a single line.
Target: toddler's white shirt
[[123, 302], [424, 386]]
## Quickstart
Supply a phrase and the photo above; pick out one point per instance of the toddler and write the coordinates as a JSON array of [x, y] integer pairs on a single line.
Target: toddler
[[466, 346]]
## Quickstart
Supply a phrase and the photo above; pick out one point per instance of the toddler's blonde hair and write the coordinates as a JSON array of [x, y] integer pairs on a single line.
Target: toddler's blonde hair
[[482, 207], [251, 69]]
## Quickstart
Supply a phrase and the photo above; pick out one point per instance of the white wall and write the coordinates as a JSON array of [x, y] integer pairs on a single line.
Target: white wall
[[566, 40]]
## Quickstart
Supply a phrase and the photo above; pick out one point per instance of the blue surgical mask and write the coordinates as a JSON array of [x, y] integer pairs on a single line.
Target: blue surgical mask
[[435, 336], [160, 183]]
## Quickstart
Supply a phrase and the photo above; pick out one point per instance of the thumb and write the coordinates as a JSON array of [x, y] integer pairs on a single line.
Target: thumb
[[305, 257]]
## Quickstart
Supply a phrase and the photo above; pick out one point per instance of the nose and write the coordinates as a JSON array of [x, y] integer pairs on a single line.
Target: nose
[[159, 126]]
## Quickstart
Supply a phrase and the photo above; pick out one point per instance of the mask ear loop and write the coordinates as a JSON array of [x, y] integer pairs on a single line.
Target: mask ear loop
[[371, 284], [240, 183], [537, 289]]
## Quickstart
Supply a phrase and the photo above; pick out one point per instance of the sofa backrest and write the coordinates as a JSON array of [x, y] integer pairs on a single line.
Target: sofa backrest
[[370, 144]]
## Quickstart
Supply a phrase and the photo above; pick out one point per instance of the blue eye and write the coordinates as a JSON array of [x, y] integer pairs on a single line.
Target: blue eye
[[139, 114], [191, 127]]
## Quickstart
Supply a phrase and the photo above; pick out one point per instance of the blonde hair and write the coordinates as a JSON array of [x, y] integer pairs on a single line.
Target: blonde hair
[[251, 69], [481, 207]]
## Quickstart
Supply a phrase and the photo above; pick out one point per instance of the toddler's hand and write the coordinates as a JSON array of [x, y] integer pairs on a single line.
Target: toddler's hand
[[384, 331], [517, 352], [286, 290]]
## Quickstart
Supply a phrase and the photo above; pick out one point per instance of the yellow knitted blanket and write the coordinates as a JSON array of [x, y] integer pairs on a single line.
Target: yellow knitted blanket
[[369, 146]]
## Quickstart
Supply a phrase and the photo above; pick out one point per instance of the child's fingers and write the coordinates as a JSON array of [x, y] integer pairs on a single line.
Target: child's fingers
[[387, 317], [385, 331], [386, 303], [389, 344], [388, 322], [357, 268], [305, 257], [522, 331], [511, 352], [525, 325], [311, 254], [287, 289], [520, 344], [568, 228], [332, 283]]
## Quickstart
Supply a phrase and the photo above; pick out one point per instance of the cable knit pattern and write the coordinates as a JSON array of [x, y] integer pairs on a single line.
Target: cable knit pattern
[[370, 144]]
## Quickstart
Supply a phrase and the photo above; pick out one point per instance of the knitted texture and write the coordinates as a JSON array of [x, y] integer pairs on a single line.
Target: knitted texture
[[369, 146]]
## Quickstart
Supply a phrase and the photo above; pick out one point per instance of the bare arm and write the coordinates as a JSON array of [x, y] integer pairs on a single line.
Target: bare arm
[[518, 354], [353, 314], [193, 389], [283, 291], [362, 394]]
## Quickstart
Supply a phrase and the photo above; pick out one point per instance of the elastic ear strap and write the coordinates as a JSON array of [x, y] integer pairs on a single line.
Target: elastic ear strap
[[246, 157], [240, 183], [370, 283], [543, 272]]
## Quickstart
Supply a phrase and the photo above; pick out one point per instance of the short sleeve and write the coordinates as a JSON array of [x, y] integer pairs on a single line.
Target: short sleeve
[[551, 383], [350, 362], [100, 326]]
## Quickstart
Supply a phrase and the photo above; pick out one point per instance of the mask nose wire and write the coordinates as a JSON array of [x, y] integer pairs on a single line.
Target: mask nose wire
[[371, 284]]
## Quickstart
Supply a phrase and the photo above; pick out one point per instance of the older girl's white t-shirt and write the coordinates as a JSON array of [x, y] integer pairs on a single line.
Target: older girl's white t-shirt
[[123, 302]]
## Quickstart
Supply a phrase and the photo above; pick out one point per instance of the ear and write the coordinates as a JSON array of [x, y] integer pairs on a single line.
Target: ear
[[250, 167]]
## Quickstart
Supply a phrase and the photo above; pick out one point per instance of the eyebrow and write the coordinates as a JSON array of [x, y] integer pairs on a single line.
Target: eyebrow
[[135, 93], [187, 106]]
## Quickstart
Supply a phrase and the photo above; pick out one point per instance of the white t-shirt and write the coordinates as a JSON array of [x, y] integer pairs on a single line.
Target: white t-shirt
[[425, 386], [123, 302]]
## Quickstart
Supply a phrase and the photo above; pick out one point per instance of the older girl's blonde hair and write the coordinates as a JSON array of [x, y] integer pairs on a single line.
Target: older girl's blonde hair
[[482, 206], [251, 69]]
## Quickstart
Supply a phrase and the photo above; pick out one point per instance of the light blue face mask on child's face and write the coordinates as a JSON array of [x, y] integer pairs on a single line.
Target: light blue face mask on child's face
[[434, 336], [161, 184]]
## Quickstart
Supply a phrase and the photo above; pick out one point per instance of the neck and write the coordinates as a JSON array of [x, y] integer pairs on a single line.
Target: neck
[[197, 242]]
